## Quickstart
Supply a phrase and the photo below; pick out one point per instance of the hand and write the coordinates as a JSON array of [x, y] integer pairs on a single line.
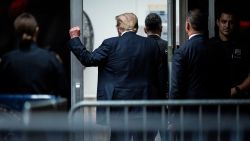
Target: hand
[[74, 32], [233, 92]]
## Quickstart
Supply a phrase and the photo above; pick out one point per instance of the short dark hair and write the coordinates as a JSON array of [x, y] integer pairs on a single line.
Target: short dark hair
[[25, 24], [153, 22], [226, 10], [197, 19]]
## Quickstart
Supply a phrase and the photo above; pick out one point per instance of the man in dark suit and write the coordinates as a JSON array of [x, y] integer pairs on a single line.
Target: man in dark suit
[[153, 29], [199, 70], [128, 67]]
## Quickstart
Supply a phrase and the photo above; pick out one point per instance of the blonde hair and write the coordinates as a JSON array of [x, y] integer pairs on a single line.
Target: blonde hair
[[127, 22]]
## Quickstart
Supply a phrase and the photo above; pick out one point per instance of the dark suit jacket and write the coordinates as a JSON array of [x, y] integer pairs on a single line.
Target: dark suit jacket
[[164, 74], [128, 66], [32, 70], [199, 71]]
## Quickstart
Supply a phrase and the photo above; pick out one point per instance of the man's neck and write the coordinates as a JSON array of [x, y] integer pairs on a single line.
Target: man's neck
[[126, 31], [223, 38], [155, 34], [193, 33]]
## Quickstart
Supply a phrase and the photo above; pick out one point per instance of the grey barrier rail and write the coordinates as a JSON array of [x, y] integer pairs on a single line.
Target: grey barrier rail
[[33, 117], [79, 124], [198, 120]]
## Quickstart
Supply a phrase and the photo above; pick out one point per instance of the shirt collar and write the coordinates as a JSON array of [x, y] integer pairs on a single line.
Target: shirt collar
[[193, 35], [154, 35], [126, 32]]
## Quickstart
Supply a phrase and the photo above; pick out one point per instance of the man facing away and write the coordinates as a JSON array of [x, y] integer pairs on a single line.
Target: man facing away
[[128, 67], [153, 29], [198, 68], [29, 69], [199, 71]]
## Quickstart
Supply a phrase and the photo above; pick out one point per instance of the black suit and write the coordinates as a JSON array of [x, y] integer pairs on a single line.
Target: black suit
[[199, 71], [32, 70], [128, 68], [164, 75]]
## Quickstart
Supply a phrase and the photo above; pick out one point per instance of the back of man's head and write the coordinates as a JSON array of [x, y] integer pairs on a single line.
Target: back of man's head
[[26, 26], [197, 20], [127, 22], [153, 22]]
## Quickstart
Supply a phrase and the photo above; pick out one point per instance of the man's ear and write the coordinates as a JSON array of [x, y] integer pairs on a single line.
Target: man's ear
[[217, 22], [187, 26], [119, 30], [37, 29], [145, 30]]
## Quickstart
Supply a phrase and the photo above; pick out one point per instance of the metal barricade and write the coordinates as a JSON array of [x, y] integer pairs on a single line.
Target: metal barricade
[[178, 120], [33, 117]]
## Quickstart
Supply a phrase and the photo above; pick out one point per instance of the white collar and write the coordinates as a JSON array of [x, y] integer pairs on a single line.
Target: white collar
[[126, 32], [154, 34], [193, 35]]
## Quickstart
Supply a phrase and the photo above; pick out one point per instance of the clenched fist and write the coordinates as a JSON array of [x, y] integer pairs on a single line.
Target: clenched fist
[[74, 32]]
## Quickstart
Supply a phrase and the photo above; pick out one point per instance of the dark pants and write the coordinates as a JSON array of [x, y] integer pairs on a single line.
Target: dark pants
[[134, 126]]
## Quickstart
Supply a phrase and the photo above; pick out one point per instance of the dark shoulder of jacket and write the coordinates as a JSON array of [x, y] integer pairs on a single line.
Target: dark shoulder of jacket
[[110, 41], [9, 53], [162, 42], [56, 56], [214, 40], [52, 55]]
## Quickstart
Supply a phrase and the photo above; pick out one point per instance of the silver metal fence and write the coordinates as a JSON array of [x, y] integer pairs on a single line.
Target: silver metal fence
[[180, 120], [174, 120]]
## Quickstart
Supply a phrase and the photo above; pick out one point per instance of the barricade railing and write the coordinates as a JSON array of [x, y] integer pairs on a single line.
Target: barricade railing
[[39, 117], [178, 120]]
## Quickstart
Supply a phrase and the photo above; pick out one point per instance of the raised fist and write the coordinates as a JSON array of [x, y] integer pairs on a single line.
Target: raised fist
[[74, 32]]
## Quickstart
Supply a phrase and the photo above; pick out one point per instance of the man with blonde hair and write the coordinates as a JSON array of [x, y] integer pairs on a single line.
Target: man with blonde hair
[[128, 67], [126, 22]]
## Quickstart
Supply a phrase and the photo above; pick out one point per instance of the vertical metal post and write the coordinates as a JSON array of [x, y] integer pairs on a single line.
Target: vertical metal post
[[200, 123], [211, 19], [145, 128], [177, 11], [238, 123], [76, 15], [183, 10], [171, 28], [126, 118], [219, 123], [164, 125], [171, 34], [182, 123]]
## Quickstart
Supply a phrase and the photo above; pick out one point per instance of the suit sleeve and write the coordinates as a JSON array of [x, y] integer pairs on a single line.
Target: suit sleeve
[[86, 57], [178, 77], [163, 75]]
